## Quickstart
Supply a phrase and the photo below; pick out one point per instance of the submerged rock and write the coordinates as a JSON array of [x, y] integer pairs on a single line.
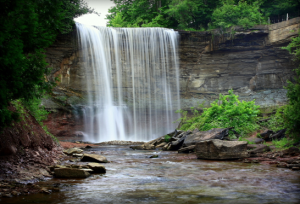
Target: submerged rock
[[219, 149], [71, 173], [94, 158], [197, 136]]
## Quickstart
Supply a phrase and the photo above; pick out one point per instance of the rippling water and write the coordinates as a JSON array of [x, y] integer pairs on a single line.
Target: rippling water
[[133, 177]]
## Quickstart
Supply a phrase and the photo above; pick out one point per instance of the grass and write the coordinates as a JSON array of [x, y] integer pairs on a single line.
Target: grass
[[284, 143]]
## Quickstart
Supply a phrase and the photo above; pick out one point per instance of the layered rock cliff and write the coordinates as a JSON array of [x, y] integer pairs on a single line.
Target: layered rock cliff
[[251, 62]]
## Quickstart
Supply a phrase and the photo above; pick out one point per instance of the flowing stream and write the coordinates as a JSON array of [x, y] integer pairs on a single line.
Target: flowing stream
[[133, 177], [132, 80]]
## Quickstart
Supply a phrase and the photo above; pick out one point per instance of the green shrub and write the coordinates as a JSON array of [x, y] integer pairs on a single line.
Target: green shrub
[[36, 109], [284, 143], [276, 121], [167, 138], [226, 112]]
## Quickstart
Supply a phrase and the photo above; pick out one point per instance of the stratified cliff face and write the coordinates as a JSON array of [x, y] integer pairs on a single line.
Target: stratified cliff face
[[253, 64]]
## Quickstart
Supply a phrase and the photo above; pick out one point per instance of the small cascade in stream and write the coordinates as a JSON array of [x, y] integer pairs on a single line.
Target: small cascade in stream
[[132, 79]]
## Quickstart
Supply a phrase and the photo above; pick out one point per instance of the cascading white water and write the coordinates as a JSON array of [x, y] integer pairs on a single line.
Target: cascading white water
[[132, 79]]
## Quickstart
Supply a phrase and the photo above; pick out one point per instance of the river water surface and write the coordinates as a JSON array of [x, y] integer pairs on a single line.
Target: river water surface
[[133, 177]]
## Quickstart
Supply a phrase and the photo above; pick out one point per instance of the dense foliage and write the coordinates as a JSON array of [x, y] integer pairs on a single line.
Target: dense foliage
[[242, 14], [292, 112], [226, 112], [27, 27], [197, 14]]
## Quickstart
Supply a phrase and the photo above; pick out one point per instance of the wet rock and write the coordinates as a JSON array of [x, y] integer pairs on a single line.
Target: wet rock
[[167, 147], [188, 149], [72, 151], [161, 144], [260, 149], [197, 136], [154, 156], [294, 161], [88, 146], [175, 145], [94, 158], [71, 173], [278, 135], [266, 135], [145, 146], [218, 149], [97, 168], [56, 167], [291, 151], [296, 168], [45, 190]]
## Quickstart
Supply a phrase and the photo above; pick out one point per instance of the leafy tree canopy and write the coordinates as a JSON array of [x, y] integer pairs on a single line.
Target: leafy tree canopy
[[197, 14], [242, 14], [27, 27]]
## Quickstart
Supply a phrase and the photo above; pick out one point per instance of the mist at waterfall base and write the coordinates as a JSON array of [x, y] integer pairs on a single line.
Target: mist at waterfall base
[[132, 80]]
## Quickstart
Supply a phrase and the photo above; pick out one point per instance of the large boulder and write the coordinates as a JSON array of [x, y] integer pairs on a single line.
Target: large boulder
[[219, 149], [94, 158], [197, 136], [71, 173]]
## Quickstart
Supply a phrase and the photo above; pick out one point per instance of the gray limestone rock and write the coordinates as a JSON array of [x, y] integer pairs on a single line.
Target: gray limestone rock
[[197, 136], [219, 149]]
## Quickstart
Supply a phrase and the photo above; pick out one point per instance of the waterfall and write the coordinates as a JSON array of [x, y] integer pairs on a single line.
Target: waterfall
[[132, 79]]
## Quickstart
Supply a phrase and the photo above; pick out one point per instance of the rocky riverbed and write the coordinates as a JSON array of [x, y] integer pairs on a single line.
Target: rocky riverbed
[[135, 176]]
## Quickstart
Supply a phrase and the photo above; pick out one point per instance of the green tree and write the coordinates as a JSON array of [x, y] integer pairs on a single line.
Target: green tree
[[27, 27], [242, 14], [292, 112], [192, 13]]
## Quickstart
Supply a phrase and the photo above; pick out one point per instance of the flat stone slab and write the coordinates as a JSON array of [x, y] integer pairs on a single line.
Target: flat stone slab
[[220, 150], [94, 158], [71, 173], [97, 168]]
